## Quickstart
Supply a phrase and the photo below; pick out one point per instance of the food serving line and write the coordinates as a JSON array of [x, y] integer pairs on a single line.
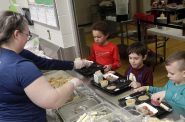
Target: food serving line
[[98, 103], [114, 99], [94, 101]]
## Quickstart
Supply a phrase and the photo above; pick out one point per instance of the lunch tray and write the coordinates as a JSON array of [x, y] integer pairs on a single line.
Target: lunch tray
[[161, 112], [121, 85], [89, 71]]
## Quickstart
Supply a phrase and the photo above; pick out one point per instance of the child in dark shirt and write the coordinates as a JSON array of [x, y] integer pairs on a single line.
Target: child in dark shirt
[[138, 72]]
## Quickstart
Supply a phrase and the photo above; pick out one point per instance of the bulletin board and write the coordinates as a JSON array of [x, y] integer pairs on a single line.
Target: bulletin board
[[44, 12]]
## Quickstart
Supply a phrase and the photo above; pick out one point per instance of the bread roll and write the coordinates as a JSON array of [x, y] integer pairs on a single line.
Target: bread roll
[[143, 98], [104, 83], [112, 87]]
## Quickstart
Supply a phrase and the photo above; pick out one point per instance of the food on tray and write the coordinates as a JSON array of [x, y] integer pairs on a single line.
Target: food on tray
[[110, 77], [132, 77], [91, 116], [143, 98], [130, 102], [73, 98], [104, 83], [112, 87], [98, 76], [146, 109], [58, 78], [57, 82]]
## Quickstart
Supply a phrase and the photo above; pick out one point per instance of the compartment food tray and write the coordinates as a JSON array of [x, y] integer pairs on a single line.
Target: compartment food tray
[[161, 111], [121, 85], [89, 71]]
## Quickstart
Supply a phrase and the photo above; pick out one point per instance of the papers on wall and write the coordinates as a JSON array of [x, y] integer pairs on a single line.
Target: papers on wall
[[43, 11], [42, 14], [50, 16], [33, 11]]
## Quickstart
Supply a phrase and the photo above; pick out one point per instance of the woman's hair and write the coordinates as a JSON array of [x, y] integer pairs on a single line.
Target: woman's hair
[[177, 57], [9, 22], [138, 48], [101, 26]]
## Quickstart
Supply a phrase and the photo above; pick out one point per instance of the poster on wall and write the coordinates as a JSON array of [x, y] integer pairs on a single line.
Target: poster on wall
[[33, 12], [44, 12], [50, 16]]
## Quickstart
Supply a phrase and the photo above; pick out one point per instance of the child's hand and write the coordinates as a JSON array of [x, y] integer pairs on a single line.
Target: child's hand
[[159, 96], [142, 88], [107, 68], [135, 84]]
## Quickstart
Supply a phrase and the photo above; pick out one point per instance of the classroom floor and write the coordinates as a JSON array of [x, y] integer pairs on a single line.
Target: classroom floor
[[160, 74]]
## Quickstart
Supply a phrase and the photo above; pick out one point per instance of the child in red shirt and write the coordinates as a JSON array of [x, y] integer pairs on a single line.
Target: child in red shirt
[[102, 51], [138, 72]]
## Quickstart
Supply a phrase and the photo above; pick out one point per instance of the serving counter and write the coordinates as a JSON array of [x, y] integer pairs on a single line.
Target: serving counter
[[113, 99]]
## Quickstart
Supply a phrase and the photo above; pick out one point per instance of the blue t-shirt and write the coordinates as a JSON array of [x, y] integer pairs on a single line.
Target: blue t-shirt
[[16, 73]]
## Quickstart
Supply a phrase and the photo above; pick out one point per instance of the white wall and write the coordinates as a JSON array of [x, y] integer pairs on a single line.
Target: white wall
[[4, 5], [22, 3]]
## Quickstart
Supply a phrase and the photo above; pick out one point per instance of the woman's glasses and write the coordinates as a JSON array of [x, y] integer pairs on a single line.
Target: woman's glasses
[[28, 35]]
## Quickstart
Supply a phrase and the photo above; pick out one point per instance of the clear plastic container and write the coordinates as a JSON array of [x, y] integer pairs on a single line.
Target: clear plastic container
[[84, 90], [78, 106], [122, 115], [134, 115], [95, 113], [106, 112]]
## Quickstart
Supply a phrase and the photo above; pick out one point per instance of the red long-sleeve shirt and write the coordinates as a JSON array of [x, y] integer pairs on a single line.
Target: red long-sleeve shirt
[[105, 55]]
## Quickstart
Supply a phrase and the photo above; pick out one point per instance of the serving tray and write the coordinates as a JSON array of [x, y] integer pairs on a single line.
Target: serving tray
[[161, 111], [121, 85], [89, 71], [80, 105]]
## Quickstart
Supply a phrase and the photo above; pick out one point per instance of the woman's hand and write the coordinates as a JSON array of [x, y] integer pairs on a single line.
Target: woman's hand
[[80, 63], [76, 82]]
